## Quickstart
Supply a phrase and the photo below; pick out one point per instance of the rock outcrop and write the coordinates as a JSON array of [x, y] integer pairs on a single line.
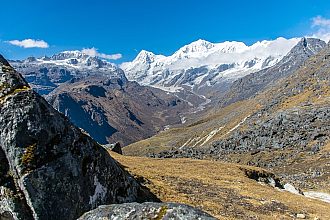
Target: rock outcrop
[[146, 210], [116, 147], [50, 169]]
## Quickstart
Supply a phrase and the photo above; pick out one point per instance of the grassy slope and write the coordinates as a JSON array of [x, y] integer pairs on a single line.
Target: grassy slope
[[221, 189], [295, 167], [227, 118]]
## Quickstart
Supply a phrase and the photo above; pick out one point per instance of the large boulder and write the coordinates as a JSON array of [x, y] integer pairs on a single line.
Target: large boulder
[[148, 210], [50, 169]]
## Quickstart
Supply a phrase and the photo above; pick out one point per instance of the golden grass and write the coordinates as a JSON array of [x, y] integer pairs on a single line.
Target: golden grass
[[326, 148], [221, 189], [297, 99]]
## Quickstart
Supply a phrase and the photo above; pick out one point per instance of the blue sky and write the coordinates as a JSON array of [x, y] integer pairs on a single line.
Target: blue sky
[[162, 26]]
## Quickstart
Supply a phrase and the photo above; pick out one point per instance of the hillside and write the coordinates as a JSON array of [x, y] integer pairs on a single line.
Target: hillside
[[253, 83], [306, 89], [222, 189]]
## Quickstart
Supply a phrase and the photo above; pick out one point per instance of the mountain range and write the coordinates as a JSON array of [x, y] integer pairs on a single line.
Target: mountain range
[[204, 67], [255, 117], [101, 98], [282, 125], [47, 73]]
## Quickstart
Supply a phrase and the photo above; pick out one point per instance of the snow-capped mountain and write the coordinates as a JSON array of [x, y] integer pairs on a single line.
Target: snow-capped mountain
[[202, 48], [201, 65], [75, 59], [47, 73]]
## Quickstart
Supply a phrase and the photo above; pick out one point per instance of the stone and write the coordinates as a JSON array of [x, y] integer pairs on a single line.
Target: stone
[[146, 210], [301, 216]]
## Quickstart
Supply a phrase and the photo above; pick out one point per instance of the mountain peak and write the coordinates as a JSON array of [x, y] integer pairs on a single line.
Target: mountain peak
[[304, 40], [196, 46], [3, 61], [69, 54], [202, 42], [145, 57], [74, 58], [145, 53], [309, 46], [10, 80], [202, 48], [215, 58]]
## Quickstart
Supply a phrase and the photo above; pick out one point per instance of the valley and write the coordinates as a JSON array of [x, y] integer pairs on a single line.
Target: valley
[[259, 149], [165, 110], [283, 129]]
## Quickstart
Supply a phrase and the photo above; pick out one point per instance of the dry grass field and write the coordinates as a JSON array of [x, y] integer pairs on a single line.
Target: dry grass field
[[221, 189]]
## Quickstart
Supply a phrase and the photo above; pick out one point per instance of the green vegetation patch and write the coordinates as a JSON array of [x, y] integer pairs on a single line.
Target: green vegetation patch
[[29, 155], [18, 90], [162, 213]]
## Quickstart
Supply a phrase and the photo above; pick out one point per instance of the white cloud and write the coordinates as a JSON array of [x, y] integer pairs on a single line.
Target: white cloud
[[320, 21], [29, 43], [323, 35], [321, 28], [93, 52]]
